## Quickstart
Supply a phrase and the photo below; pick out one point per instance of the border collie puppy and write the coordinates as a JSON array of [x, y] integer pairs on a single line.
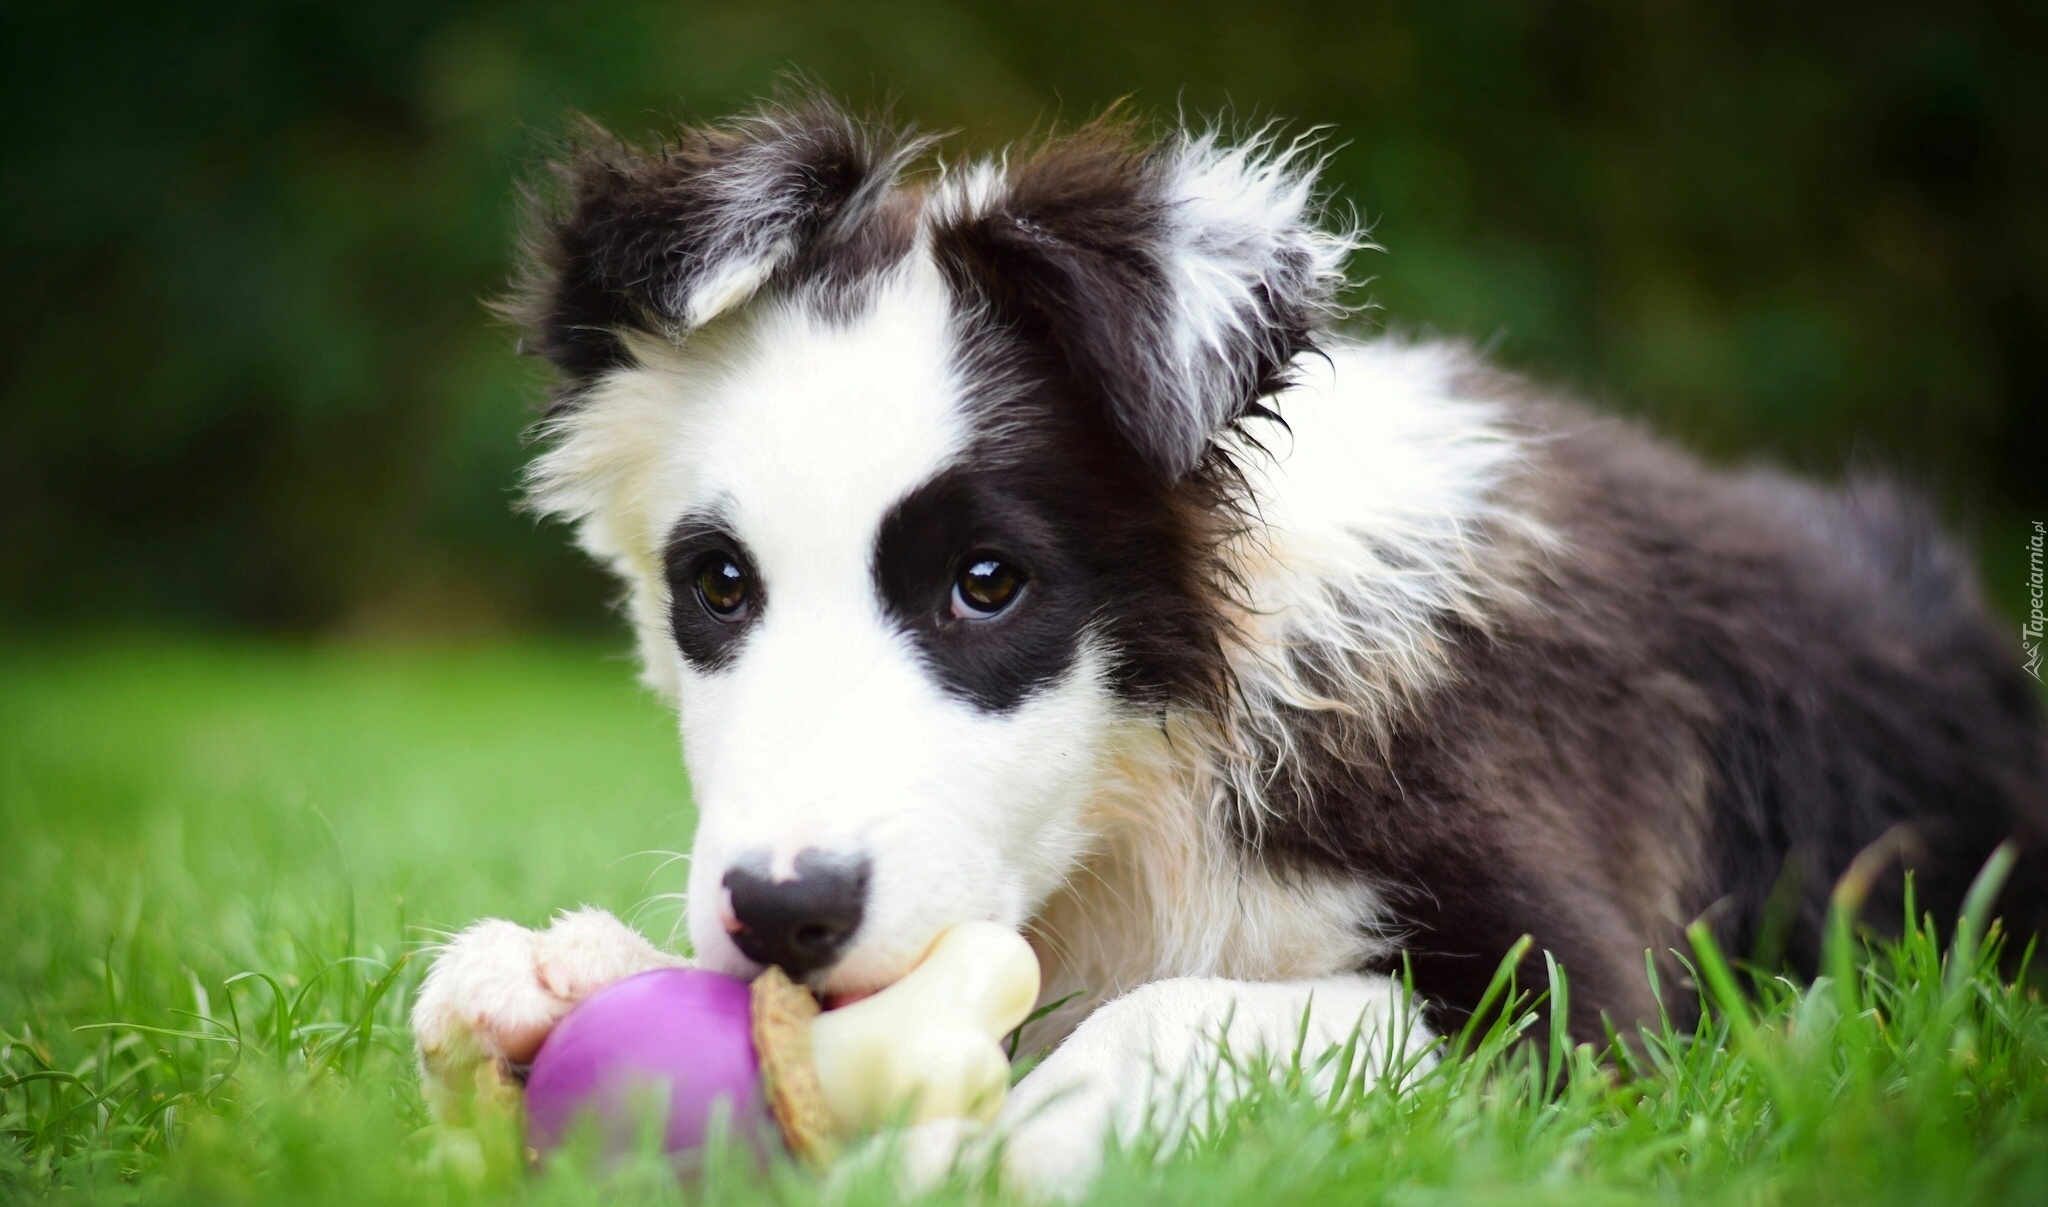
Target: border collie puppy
[[1017, 541]]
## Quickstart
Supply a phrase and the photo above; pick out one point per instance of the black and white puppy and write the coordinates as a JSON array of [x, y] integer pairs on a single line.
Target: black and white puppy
[[1017, 542]]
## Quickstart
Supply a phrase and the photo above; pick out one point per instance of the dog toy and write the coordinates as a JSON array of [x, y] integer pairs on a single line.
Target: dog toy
[[697, 1042]]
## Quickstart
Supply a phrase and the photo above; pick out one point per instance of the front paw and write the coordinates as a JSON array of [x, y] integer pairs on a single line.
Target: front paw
[[912, 1162], [497, 989]]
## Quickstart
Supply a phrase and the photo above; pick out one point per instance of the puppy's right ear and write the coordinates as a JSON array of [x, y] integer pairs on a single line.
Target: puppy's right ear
[[666, 239], [1178, 280]]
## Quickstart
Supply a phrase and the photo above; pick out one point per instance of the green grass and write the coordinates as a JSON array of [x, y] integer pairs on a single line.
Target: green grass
[[217, 862]]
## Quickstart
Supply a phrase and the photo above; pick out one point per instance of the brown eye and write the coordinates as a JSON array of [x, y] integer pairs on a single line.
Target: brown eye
[[722, 585], [985, 587]]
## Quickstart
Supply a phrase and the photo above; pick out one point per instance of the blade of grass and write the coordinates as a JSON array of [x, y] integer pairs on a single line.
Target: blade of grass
[[1503, 976], [1974, 923]]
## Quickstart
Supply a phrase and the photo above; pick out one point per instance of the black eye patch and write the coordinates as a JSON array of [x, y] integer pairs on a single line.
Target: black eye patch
[[925, 544], [715, 595]]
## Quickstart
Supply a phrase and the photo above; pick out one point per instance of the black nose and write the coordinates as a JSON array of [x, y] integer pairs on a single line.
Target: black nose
[[803, 922]]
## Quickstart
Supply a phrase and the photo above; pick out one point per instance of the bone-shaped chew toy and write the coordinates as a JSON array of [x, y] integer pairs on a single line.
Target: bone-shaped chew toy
[[927, 1047]]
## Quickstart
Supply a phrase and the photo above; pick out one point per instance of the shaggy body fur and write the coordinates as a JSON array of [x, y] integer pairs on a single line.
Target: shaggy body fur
[[1331, 654]]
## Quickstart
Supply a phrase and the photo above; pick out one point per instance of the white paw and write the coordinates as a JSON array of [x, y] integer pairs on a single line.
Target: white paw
[[933, 1150], [587, 949], [1054, 1155], [911, 1163], [497, 989]]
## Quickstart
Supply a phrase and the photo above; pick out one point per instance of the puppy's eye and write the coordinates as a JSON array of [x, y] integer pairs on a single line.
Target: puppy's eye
[[722, 586], [987, 584]]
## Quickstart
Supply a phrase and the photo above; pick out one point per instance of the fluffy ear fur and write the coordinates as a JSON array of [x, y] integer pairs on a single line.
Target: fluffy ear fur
[[668, 238], [1180, 280]]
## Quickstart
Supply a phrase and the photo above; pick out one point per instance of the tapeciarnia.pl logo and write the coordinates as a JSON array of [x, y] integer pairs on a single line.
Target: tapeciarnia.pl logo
[[2037, 622]]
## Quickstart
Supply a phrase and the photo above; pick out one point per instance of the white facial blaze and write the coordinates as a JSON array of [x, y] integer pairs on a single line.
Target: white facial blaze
[[827, 731]]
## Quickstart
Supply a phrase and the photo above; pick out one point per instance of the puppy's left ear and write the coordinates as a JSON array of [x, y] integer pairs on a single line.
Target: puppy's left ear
[[1177, 280], [665, 239]]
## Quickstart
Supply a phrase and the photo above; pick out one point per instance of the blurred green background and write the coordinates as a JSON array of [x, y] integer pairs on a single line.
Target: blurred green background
[[249, 381]]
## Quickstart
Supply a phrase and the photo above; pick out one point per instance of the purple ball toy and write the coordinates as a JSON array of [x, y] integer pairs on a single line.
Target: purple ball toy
[[682, 1037]]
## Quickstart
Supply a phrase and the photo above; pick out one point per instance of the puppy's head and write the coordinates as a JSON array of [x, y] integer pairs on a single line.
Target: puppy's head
[[915, 486]]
